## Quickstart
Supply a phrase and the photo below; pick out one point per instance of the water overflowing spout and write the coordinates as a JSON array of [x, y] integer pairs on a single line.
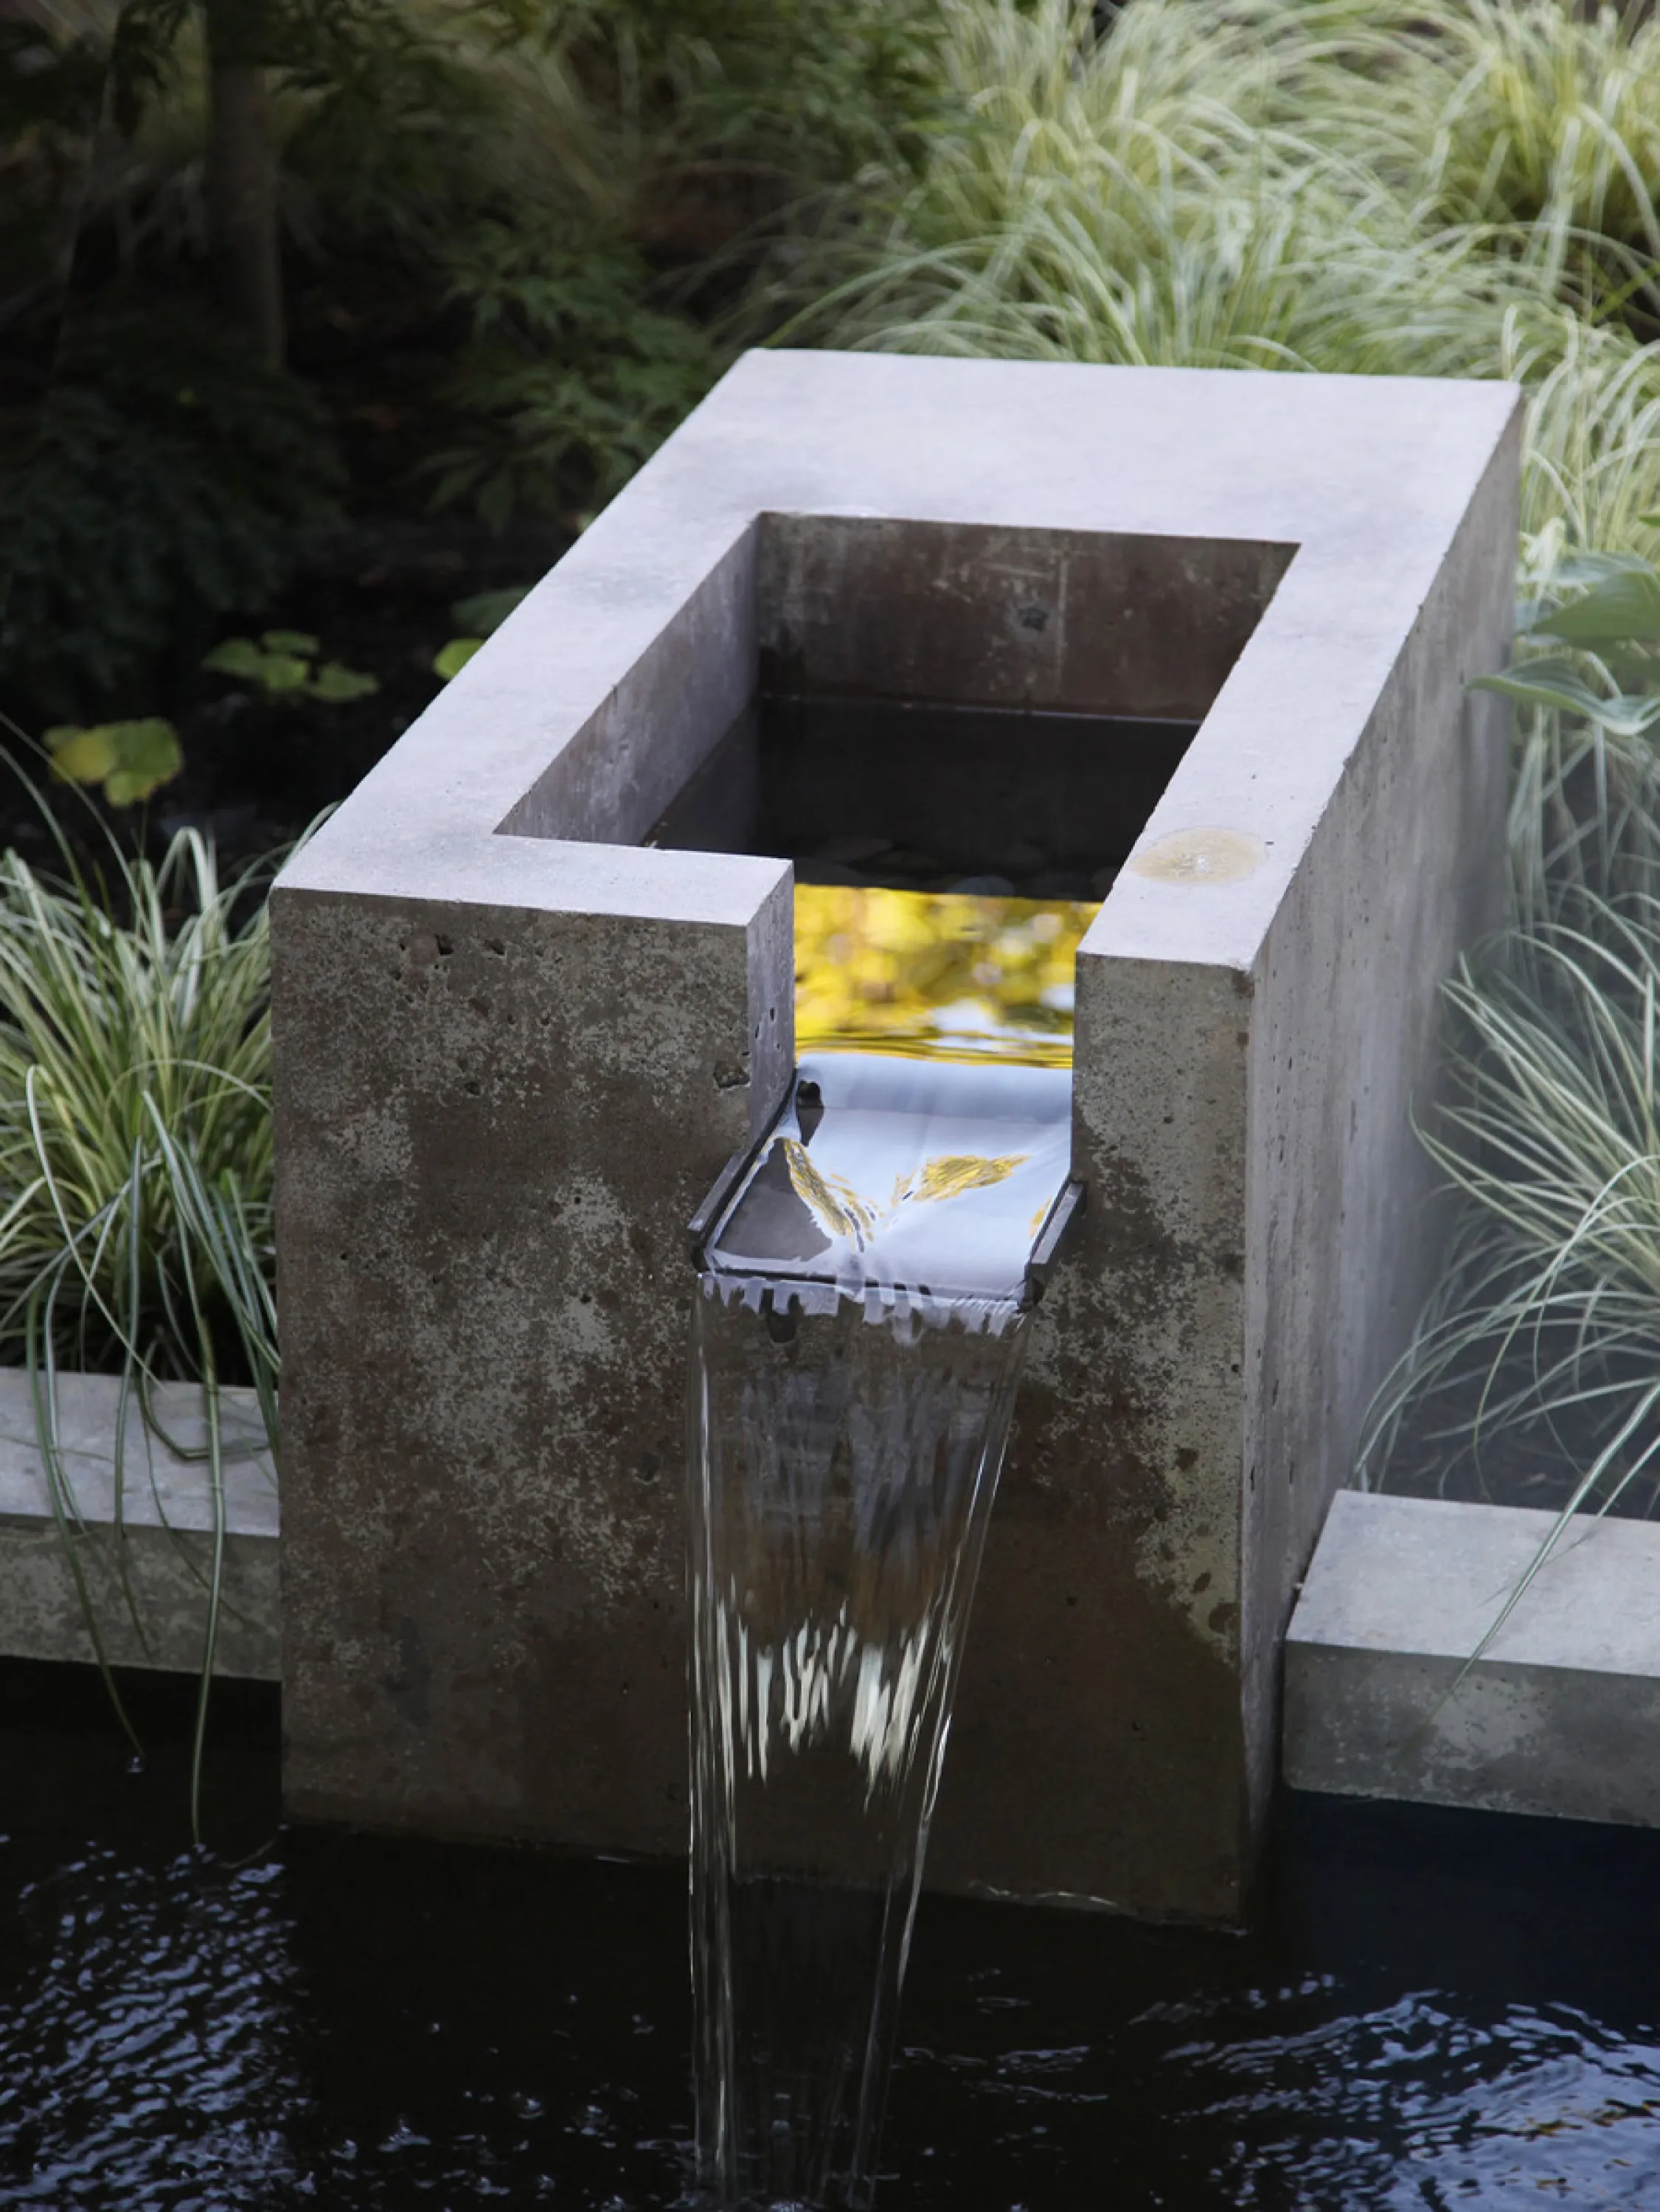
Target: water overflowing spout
[[859, 1325]]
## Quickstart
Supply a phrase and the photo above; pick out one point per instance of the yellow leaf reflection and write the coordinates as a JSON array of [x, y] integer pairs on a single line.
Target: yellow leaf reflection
[[836, 1205], [936, 975], [951, 1173], [840, 1209]]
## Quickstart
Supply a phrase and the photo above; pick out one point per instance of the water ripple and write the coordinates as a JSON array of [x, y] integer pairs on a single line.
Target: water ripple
[[370, 2026]]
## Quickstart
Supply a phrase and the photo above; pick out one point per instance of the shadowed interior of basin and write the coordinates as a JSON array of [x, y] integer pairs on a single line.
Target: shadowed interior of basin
[[931, 703], [920, 796]]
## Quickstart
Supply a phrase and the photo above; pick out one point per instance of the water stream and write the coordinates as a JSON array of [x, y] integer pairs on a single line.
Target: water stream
[[857, 1336]]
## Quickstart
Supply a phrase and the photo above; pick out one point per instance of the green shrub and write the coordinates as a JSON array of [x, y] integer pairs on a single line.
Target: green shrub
[[572, 377], [168, 472], [52, 83], [820, 87], [397, 136]]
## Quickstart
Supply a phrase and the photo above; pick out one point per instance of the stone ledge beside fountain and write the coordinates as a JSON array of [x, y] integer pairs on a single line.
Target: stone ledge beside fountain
[[1559, 1715], [1561, 1718], [515, 1045], [166, 1514]]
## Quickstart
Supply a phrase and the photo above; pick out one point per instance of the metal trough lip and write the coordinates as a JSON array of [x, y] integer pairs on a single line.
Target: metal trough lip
[[723, 1190], [719, 1202], [1064, 1214]]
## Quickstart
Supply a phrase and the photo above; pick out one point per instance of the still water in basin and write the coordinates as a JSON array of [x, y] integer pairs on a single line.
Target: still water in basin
[[1434, 2011]]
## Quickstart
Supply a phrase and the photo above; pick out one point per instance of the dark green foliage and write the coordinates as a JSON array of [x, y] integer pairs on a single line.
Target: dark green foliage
[[397, 129], [168, 471], [317, 44], [50, 92], [47, 82], [450, 259], [572, 377], [396, 153], [819, 87]]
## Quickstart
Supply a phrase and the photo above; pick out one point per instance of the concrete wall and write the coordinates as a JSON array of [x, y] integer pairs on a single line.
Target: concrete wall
[[484, 1288], [962, 613], [507, 1065], [1258, 1240], [1343, 1232], [1559, 1715]]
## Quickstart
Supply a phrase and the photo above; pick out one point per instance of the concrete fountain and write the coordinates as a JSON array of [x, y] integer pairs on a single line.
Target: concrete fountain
[[517, 1041]]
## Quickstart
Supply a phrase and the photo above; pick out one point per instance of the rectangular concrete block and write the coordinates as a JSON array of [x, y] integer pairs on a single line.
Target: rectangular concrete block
[[146, 1582], [1559, 1715], [514, 1045]]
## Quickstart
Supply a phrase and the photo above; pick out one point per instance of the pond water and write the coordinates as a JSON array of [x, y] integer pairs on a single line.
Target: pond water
[[1433, 2011]]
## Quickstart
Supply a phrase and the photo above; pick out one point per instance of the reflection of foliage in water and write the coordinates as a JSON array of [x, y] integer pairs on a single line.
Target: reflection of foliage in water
[[838, 1206], [943, 974]]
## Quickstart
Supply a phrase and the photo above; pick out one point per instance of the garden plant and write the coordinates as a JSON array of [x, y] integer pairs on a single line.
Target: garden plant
[[136, 1153]]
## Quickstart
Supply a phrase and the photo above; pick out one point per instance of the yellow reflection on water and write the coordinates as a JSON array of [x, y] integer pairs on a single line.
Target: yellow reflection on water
[[936, 974]]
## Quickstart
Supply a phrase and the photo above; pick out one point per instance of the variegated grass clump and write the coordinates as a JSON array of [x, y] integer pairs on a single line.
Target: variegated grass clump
[[1590, 470], [1273, 185], [135, 1120], [136, 1156], [1546, 1319], [1147, 197], [1585, 687], [1537, 119]]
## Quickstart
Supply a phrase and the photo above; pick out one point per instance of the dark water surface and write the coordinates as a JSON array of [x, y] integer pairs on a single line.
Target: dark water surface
[[1434, 2011]]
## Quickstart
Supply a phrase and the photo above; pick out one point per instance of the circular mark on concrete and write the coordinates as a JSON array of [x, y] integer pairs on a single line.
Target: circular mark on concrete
[[1201, 856]]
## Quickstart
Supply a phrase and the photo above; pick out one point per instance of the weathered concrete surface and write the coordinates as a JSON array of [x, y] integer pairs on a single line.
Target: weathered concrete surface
[[1561, 1713], [509, 1056], [492, 1157], [148, 1582]]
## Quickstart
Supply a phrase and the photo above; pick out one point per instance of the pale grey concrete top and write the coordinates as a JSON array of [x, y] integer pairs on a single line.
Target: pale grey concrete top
[[1367, 477], [160, 1488], [1416, 1574]]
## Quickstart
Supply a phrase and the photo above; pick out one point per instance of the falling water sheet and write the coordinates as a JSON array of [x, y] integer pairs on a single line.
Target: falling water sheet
[[857, 1336], [843, 1467]]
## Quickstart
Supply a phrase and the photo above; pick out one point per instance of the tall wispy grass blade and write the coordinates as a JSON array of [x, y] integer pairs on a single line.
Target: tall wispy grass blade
[[1537, 119]]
